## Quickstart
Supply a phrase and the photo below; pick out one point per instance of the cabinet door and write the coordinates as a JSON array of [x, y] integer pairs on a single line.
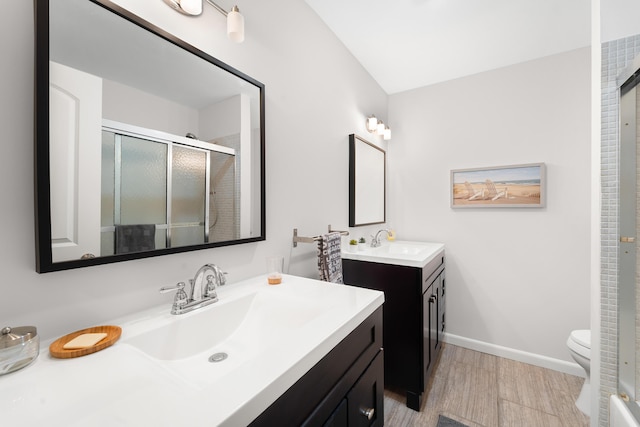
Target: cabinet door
[[339, 417], [436, 336], [432, 323], [366, 398], [441, 308], [430, 339]]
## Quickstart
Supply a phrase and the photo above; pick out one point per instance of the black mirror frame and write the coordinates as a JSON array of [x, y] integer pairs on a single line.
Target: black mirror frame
[[353, 139], [42, 200]]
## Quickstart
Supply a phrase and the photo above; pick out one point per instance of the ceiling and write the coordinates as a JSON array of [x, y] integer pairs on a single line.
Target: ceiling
[[405, 44]]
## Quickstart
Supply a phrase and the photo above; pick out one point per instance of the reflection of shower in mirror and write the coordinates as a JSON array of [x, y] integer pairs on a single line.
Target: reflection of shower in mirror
[[170, 182]]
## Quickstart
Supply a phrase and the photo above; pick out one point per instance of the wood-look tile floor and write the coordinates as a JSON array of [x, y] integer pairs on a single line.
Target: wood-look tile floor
[[481, 390]]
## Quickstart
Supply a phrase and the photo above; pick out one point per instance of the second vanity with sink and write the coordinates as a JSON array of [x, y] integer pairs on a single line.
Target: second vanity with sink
[[303, 351], [412, 277]]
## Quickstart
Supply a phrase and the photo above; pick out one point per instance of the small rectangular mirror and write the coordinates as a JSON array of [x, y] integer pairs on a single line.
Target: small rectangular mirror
[[367, 182]]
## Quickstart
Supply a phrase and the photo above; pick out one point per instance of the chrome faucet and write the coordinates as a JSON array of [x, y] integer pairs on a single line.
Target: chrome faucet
[[202, 290], [375, 240]]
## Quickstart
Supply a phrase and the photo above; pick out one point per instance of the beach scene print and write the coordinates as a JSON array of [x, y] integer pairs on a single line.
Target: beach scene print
[[508, 186]]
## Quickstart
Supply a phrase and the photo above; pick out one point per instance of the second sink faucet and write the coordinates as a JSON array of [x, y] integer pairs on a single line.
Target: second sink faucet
[[375, 240]]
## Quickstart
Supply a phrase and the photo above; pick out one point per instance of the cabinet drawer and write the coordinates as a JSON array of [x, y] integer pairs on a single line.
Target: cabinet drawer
[[366, 399], [432, 270], [340, 417]]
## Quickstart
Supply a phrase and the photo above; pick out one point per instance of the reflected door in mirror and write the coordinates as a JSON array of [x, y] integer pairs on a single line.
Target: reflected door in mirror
[[76, 114]]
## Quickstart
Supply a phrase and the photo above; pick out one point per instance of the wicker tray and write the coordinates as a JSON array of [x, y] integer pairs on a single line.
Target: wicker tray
[[56, 349]]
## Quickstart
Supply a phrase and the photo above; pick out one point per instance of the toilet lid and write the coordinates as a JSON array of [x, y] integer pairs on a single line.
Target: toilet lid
[[582, 337]]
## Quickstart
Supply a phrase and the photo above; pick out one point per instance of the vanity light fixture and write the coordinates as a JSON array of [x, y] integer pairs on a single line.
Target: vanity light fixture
[[188, 7], [235, 20], [387, 133], [374, 125]]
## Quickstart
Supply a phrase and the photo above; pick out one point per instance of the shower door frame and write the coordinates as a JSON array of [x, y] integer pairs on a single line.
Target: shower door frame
[[628, 336], [627, 245], [124, 129]]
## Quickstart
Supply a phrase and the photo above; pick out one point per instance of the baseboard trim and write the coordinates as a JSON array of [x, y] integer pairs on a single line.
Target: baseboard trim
[[518, 355]]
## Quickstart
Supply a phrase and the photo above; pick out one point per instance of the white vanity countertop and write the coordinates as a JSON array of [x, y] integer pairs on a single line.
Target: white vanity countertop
[[124, 386], [396, 252]]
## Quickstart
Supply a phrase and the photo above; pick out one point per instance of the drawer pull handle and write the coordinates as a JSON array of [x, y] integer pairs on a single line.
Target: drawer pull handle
[[368, 412]]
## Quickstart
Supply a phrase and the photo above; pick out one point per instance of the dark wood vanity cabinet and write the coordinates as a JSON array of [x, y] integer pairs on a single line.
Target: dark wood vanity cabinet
[[414, 319], [361, 407], [344, 389]]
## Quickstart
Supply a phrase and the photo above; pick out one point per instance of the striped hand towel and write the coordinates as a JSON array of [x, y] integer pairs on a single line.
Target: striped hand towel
[[330, 258]]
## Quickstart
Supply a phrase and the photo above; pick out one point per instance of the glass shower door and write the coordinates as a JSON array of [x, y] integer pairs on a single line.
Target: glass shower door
[[134, 187], [189, 196], [224, 198], [628, 255], [150, 182]]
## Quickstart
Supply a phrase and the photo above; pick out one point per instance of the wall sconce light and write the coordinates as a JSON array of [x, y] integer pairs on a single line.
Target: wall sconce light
[[372, 123], [377, 126], [235, 21], [387, 133]]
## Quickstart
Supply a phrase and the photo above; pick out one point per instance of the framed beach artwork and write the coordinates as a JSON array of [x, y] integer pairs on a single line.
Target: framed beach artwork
[[515, 186]]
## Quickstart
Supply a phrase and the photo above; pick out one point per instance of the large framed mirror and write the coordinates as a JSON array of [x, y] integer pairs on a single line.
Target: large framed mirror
[[367, 182], [144, 145]]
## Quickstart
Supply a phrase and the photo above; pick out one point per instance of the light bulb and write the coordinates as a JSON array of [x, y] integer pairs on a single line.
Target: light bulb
[[235, 25], [387, 133], [380, 127], [191, 7], [372, 123]]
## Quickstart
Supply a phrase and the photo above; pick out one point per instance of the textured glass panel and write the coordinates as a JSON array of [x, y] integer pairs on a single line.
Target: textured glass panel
[[107, 243], [188, 186], [144, 182], [161, 238], [184, 236], [107, 205], [224, 199]]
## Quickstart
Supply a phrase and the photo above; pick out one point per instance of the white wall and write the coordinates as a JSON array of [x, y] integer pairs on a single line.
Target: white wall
[[517, 278], [129, 105], [308, 76], [222, 119], [619, 19]]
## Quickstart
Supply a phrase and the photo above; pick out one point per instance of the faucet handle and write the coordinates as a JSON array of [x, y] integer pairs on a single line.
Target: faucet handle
[[180, 300], [178, 287], [210, 288]]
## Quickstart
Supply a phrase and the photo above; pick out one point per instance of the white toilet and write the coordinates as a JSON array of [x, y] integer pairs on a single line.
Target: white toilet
[[579, 343]]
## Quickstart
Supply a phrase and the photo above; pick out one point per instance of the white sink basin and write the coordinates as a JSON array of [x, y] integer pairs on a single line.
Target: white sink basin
[[251, 321], [401, 248], [412, 254], [235, 331]]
